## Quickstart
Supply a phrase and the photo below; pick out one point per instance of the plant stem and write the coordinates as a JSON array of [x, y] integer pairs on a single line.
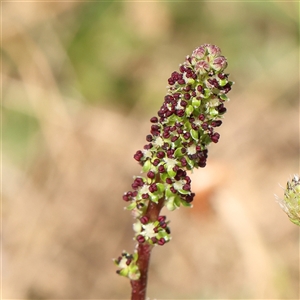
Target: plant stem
[[139, 286]]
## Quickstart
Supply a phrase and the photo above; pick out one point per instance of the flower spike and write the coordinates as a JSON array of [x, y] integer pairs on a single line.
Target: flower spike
[[178, 142]]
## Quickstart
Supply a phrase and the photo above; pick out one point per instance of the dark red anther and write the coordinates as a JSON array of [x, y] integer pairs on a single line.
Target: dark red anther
[[187, 96], [183, 162], [168, 98], [165, 146], [201, 117], [215, 137], [204, 126], [173, 190], [226, 88], [202, 164], [149, 146], [145, 196], [216, 123], [169, 113], [155, 129], [200, 88], [213, 82], [166, 135], [144, 220], [167, 129], [140, 239], [156, 162], [161, 218], [161, 241], [129, 194], [153, 188], [169, 181], [135, 186], [175, 168], [187, 88], [151, 174], [174, 138], [179, 131], [190, 198], [171, 81], [180, 173], [154, 240], [195, 127], [188, 179], [182, 69], [176, 96], [126, 197], [221, 75], [180, 113], [149, 138], [183, 103], [170, 153], [161, 169], [138, 155], [139, 181], [186, 187], [154, 120], [160, 154], [221, 109], [186, 135]]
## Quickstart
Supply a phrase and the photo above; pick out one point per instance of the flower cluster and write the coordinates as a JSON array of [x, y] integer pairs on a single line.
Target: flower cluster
[[291, 201], [178, 140], [156, 232]]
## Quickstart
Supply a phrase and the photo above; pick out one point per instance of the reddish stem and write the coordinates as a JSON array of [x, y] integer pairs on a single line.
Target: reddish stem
[[144, 250]]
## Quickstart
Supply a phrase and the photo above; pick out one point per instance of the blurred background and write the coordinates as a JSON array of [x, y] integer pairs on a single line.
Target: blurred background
[[80, 81]]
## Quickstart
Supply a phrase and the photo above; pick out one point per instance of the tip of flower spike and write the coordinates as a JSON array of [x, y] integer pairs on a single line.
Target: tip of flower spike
[[207, 58]]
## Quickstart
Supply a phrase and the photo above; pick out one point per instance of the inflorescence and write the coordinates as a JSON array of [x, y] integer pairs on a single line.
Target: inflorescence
[[180, 134]]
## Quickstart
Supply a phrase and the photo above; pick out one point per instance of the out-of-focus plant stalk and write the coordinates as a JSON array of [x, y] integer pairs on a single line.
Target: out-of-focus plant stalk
[[291, 200]]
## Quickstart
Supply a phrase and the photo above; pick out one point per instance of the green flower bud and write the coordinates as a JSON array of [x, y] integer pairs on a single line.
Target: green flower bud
[[291, 201]]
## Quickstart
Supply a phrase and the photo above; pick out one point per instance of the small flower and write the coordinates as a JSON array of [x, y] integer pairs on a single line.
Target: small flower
[[152, 232], [127, 264], [291, 200]]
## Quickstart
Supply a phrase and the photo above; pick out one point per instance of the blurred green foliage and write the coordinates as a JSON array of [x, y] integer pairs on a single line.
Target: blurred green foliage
[[111, 61], [106, 50]]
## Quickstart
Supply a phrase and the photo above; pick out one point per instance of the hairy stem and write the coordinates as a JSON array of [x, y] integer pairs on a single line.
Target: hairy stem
[[139, 286]]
